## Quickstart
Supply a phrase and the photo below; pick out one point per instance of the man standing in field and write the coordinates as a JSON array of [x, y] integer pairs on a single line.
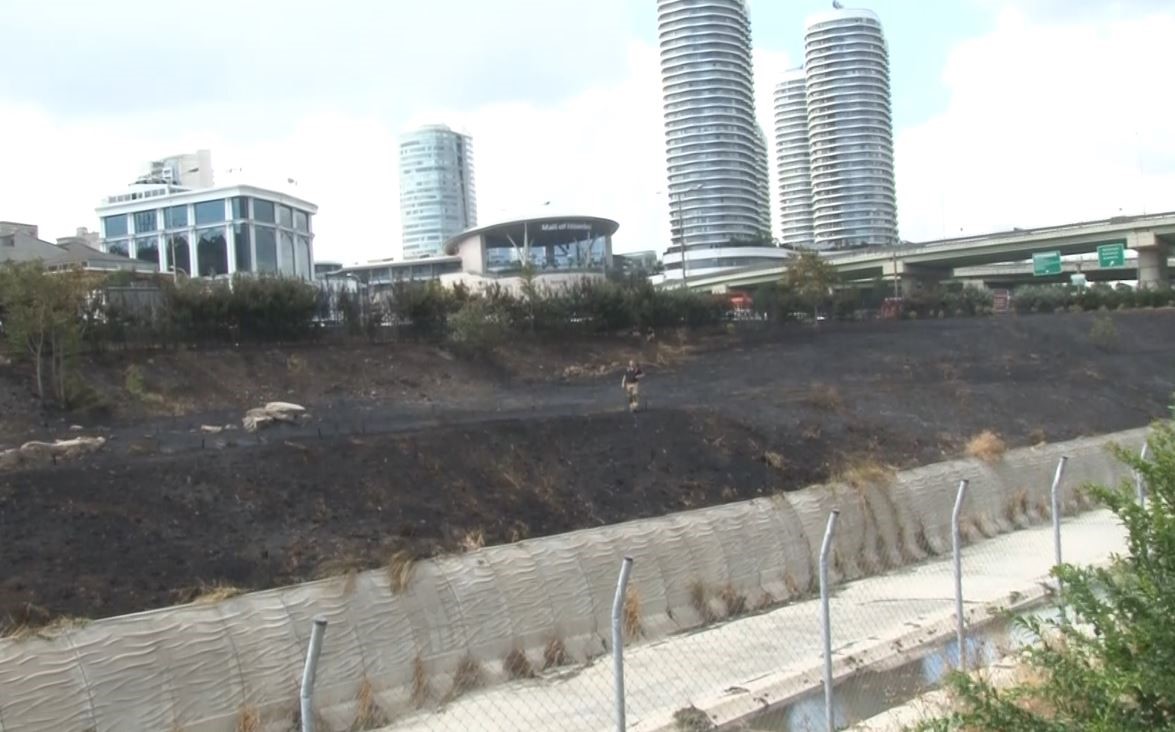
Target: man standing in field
[[631, 385]]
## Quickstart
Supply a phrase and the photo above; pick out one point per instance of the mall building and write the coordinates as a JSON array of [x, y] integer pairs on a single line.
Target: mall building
[[561, 250], [211, 232]]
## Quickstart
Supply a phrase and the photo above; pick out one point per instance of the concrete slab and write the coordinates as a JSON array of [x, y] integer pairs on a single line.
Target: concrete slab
[[737, 664]]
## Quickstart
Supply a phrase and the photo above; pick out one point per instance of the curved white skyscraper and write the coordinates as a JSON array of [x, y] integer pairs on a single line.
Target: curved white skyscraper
[[793, 163], [717, 157], [437, 199], [850, 130]]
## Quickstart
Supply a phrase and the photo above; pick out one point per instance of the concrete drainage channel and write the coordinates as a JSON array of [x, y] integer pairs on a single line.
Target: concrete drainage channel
[[870, 691], [513, 636]]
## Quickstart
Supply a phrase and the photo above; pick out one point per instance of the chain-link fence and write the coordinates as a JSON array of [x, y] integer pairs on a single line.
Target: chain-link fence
[[898, 609]]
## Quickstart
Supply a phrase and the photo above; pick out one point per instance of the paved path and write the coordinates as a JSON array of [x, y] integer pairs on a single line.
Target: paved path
[[676, 672]]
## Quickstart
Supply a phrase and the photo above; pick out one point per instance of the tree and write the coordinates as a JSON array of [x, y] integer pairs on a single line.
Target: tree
[[811, 278], [42, 320], [1105, 665]]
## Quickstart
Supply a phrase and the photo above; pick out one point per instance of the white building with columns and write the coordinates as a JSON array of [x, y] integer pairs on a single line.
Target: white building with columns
[[211, 232]]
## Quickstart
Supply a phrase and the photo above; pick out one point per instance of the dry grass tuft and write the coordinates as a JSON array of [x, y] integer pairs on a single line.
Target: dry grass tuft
[[692, 719], [1038, 437], [421, 690], [207, 594], [517, 665], [249, 720], [987, 446], [44, 628], [734, 603], [697, 598], [632, 614], [864, 471], [473, 540], [369, 715], [467, 678], [823, 397], [1017, 507], [775, 460], [400, 568], [555, 654]]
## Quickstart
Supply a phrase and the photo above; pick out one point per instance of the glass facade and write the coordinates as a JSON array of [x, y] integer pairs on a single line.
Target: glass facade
[[146, 222], [217, 237], [179, 254], [212, 251], [175, 217], [209, 212], [437, 196], [147, 249], [503, 257], [264, 211], [114, 226], [286, 255], [266, 249], [244, 248]]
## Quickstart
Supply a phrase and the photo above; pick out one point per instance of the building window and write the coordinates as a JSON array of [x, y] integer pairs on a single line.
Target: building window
[[240, 207], [301, 220], [302, 257], [263, 211], [147, 249], [114, 226], [286, 217], [117, 246], [209, 212], [244, 252], [212, 251], [175, 217], [146, 222], [179, 254], [266, 246], [286, 260]]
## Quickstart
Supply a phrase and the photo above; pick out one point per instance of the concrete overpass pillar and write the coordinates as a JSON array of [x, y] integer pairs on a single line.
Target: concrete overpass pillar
[[1153, 252], [914, 279]]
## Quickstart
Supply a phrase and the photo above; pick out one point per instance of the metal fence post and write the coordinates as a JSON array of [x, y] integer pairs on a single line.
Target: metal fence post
[[1139, 481], [825, 619], [309, 672], [1056, 499], [958, 547], [618, 640]]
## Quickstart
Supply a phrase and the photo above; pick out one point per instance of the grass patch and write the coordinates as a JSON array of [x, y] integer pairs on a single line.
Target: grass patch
[[400, 569], [207, 594], [555, 654], [517, 665], [467, 678], [775, 460], [697, 598], [43, 628], [864, 471], [734, 603], [421, 689], [249, 720], [692, 719], [987, 446], [368, 715], [824, 398], [632, 613], [473, 540]]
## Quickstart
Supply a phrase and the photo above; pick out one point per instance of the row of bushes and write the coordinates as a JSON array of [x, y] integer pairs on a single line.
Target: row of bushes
[[1054, 298], [251, 309]]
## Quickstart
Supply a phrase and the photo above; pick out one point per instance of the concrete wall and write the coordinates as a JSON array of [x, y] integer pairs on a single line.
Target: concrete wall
[[205, 668]]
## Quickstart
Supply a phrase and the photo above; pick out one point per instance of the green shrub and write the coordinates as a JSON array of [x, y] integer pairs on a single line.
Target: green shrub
[[477, 328], [1106, 664]]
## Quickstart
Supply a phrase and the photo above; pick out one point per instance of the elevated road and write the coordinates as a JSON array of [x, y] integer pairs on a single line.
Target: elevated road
[[1149, 236]]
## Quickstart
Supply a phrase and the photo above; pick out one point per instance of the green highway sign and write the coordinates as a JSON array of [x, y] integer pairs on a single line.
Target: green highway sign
[[1046, 263], [1111, 255]]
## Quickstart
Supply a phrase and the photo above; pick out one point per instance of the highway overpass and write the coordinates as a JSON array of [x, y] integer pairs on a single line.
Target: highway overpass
[[1149, 236]]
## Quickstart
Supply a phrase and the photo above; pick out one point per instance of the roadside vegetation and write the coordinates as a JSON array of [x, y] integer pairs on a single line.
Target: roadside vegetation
[[1105, 665]]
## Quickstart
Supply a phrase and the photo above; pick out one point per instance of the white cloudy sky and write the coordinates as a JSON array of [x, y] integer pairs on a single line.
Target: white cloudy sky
[[1007, 112]]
